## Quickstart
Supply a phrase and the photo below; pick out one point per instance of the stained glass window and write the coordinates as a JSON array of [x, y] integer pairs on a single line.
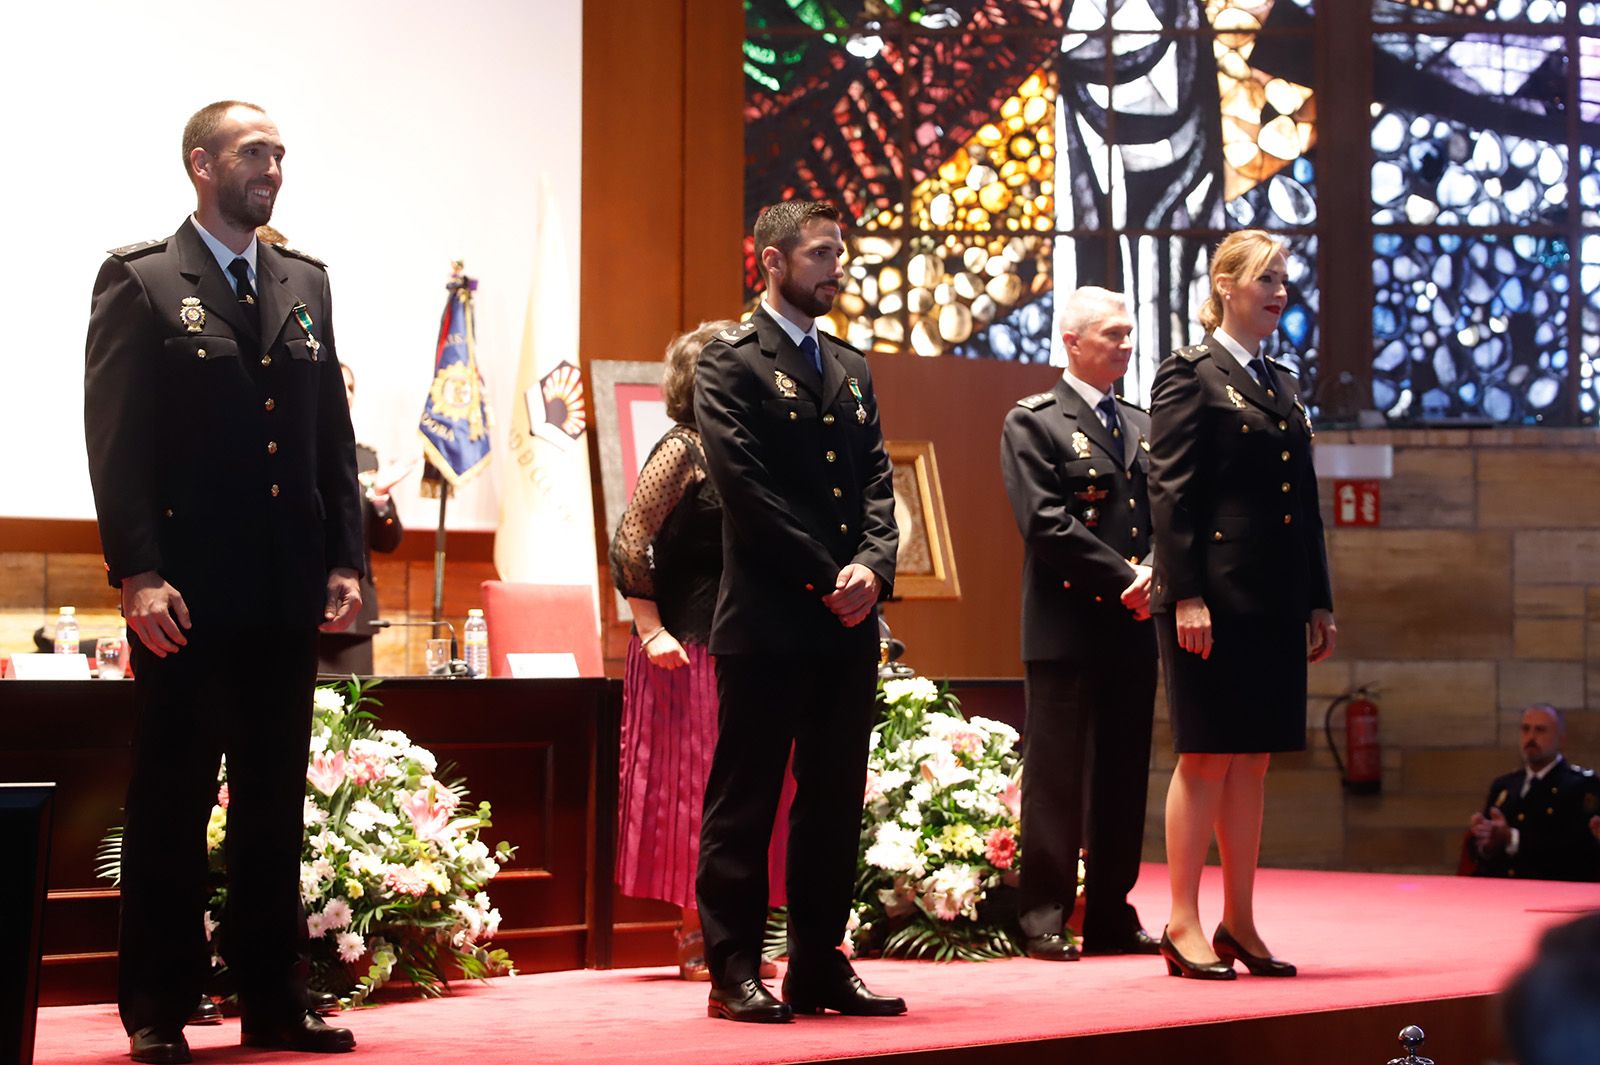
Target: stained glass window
[[990, 155], [1482, 186]]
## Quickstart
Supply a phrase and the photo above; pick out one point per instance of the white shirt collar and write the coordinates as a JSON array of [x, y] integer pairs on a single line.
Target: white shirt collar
[[791, 330], [1234, 348], [1529, 776], [1091, 395], [225, 255]]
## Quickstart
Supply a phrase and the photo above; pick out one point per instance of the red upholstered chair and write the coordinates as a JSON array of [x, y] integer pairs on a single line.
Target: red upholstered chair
[[542, 617]]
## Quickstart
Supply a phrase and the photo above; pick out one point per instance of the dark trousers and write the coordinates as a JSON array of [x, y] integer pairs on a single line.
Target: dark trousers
[[1086, 766], [245, 693], [825, 708]]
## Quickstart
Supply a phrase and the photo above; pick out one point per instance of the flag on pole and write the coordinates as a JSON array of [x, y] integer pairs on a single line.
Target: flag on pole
[[546, 533], [455, 419]]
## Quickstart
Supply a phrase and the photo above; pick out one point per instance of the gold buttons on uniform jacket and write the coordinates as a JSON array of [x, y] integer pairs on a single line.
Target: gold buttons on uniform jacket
[[168, 512], [1134, 532], [843, 528], [838, 493], [1217, 535], [827, 419], [266, 360], [1284, 456], [274, 491], [794, 416], [830, 456], [1282, 426], [270, 403], [272, 447], [1288, 519], [200, 353], [1066, 584], [1285, 486], [1243, 428], [1132, 505]]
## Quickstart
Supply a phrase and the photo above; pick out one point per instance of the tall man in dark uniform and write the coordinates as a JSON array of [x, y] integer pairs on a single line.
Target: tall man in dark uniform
[[224, 478], [1075, 460], [790, 427], [1541, 822]]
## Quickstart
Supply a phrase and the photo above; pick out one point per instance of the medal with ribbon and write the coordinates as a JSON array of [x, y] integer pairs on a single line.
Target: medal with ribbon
[[303, 316], [861, 411]]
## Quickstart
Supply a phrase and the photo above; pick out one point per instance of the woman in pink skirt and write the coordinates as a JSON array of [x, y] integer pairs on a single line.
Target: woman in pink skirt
[[666, 560]]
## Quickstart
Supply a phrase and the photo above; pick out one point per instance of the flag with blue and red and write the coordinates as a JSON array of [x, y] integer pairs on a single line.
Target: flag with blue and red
[[455, 419]]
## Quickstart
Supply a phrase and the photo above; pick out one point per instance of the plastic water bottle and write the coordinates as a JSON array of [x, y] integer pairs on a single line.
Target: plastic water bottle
[[475, 644], [67, 631]]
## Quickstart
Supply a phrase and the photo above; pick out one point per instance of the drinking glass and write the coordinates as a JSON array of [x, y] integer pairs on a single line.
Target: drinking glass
[[438, 657], [108, 657]]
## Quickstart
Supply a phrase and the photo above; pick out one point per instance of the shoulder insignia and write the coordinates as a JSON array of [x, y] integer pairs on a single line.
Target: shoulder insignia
[[1126, 402], [739, 333], [1290, 370], [1037, 401], [133, 251], [296, 253], [842, 342], [1193, 352]]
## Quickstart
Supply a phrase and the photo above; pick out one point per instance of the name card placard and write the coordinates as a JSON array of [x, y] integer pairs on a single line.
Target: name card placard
[[527, 664], [43, 666]]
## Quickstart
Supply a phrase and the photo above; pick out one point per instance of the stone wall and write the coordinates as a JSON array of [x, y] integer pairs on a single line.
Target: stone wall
[[1478, 594]]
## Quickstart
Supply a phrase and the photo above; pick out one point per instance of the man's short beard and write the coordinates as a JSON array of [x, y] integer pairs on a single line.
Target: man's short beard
[[239, 209], [805, 301]]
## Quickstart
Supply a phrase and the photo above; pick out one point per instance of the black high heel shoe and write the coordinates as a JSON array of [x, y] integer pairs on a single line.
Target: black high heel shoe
[[1178, 965], [1228, 947]]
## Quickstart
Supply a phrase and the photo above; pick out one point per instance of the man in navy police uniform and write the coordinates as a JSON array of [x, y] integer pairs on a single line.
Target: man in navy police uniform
[[224, 476], [1541, 822]]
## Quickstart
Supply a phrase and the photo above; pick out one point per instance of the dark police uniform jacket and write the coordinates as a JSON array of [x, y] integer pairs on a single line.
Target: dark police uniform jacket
[[220, 458], [806, 488], [1233, 491], [1080, 501], [1552, 823]]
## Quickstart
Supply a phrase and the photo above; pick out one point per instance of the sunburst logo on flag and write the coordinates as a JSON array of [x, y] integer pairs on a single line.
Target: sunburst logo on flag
[[565, 414]]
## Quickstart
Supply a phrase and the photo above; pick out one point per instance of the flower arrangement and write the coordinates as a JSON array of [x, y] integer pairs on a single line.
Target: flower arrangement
[[393, 869], [939, 830]]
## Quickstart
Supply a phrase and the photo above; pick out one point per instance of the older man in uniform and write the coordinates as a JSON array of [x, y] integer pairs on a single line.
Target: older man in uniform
[[1075, 460], [1541, 822], [790, 426], [224, 477]]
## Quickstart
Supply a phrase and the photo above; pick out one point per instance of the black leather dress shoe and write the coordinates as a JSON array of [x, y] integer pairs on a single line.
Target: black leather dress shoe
[[160, 1046], [1178, 965], [841, 992], [322, 1003], [1228, 947], [1052, 946], [1140, 942], [206, 1012], [306, 1034], [748, 1000]]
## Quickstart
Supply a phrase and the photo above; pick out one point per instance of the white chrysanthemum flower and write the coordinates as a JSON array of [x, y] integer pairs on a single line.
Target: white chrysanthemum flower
[[312, 814], [319, 741], [966, 798], [911, 815], [997, 729], [921, 792], [351, 946], [375, 813], [423, 757], [327, 701], [891, 779], [336, 914]]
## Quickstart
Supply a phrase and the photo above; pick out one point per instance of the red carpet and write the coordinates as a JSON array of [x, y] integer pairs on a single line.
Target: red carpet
[[1360, 940]]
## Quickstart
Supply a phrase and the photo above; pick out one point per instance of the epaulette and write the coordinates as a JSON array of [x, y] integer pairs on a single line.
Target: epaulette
[[1037, 401], [1126, 402], [1290, 370], [1579, 769], [133, 251], [1193, 352], [739, 333], [843, 343], [298, 254]]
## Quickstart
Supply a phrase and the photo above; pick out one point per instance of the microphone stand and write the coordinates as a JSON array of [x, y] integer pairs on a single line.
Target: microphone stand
[[456, 666]]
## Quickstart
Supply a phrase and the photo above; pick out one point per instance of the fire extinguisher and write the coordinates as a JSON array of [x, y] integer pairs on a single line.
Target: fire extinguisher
[[1361, 770]]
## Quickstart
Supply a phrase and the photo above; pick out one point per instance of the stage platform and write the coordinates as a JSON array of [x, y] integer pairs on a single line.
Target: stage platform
[[1375, 952]]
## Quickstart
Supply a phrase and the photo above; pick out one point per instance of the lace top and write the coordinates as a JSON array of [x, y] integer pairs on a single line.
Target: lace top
[[668, 546]]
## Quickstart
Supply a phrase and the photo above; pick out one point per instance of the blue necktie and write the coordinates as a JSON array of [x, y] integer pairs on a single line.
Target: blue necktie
[[1263, 373], [809, 345], [1108, 414]]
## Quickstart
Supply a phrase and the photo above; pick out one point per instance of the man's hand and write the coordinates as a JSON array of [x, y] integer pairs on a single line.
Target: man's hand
[[1491, 834], [854, 592], [1136, 596], [344, 600], [1194, 626], [156, 612], [1324, 634]]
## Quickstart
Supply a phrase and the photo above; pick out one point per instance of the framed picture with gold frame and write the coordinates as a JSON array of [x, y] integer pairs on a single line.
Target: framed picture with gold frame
[[925, 565]]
